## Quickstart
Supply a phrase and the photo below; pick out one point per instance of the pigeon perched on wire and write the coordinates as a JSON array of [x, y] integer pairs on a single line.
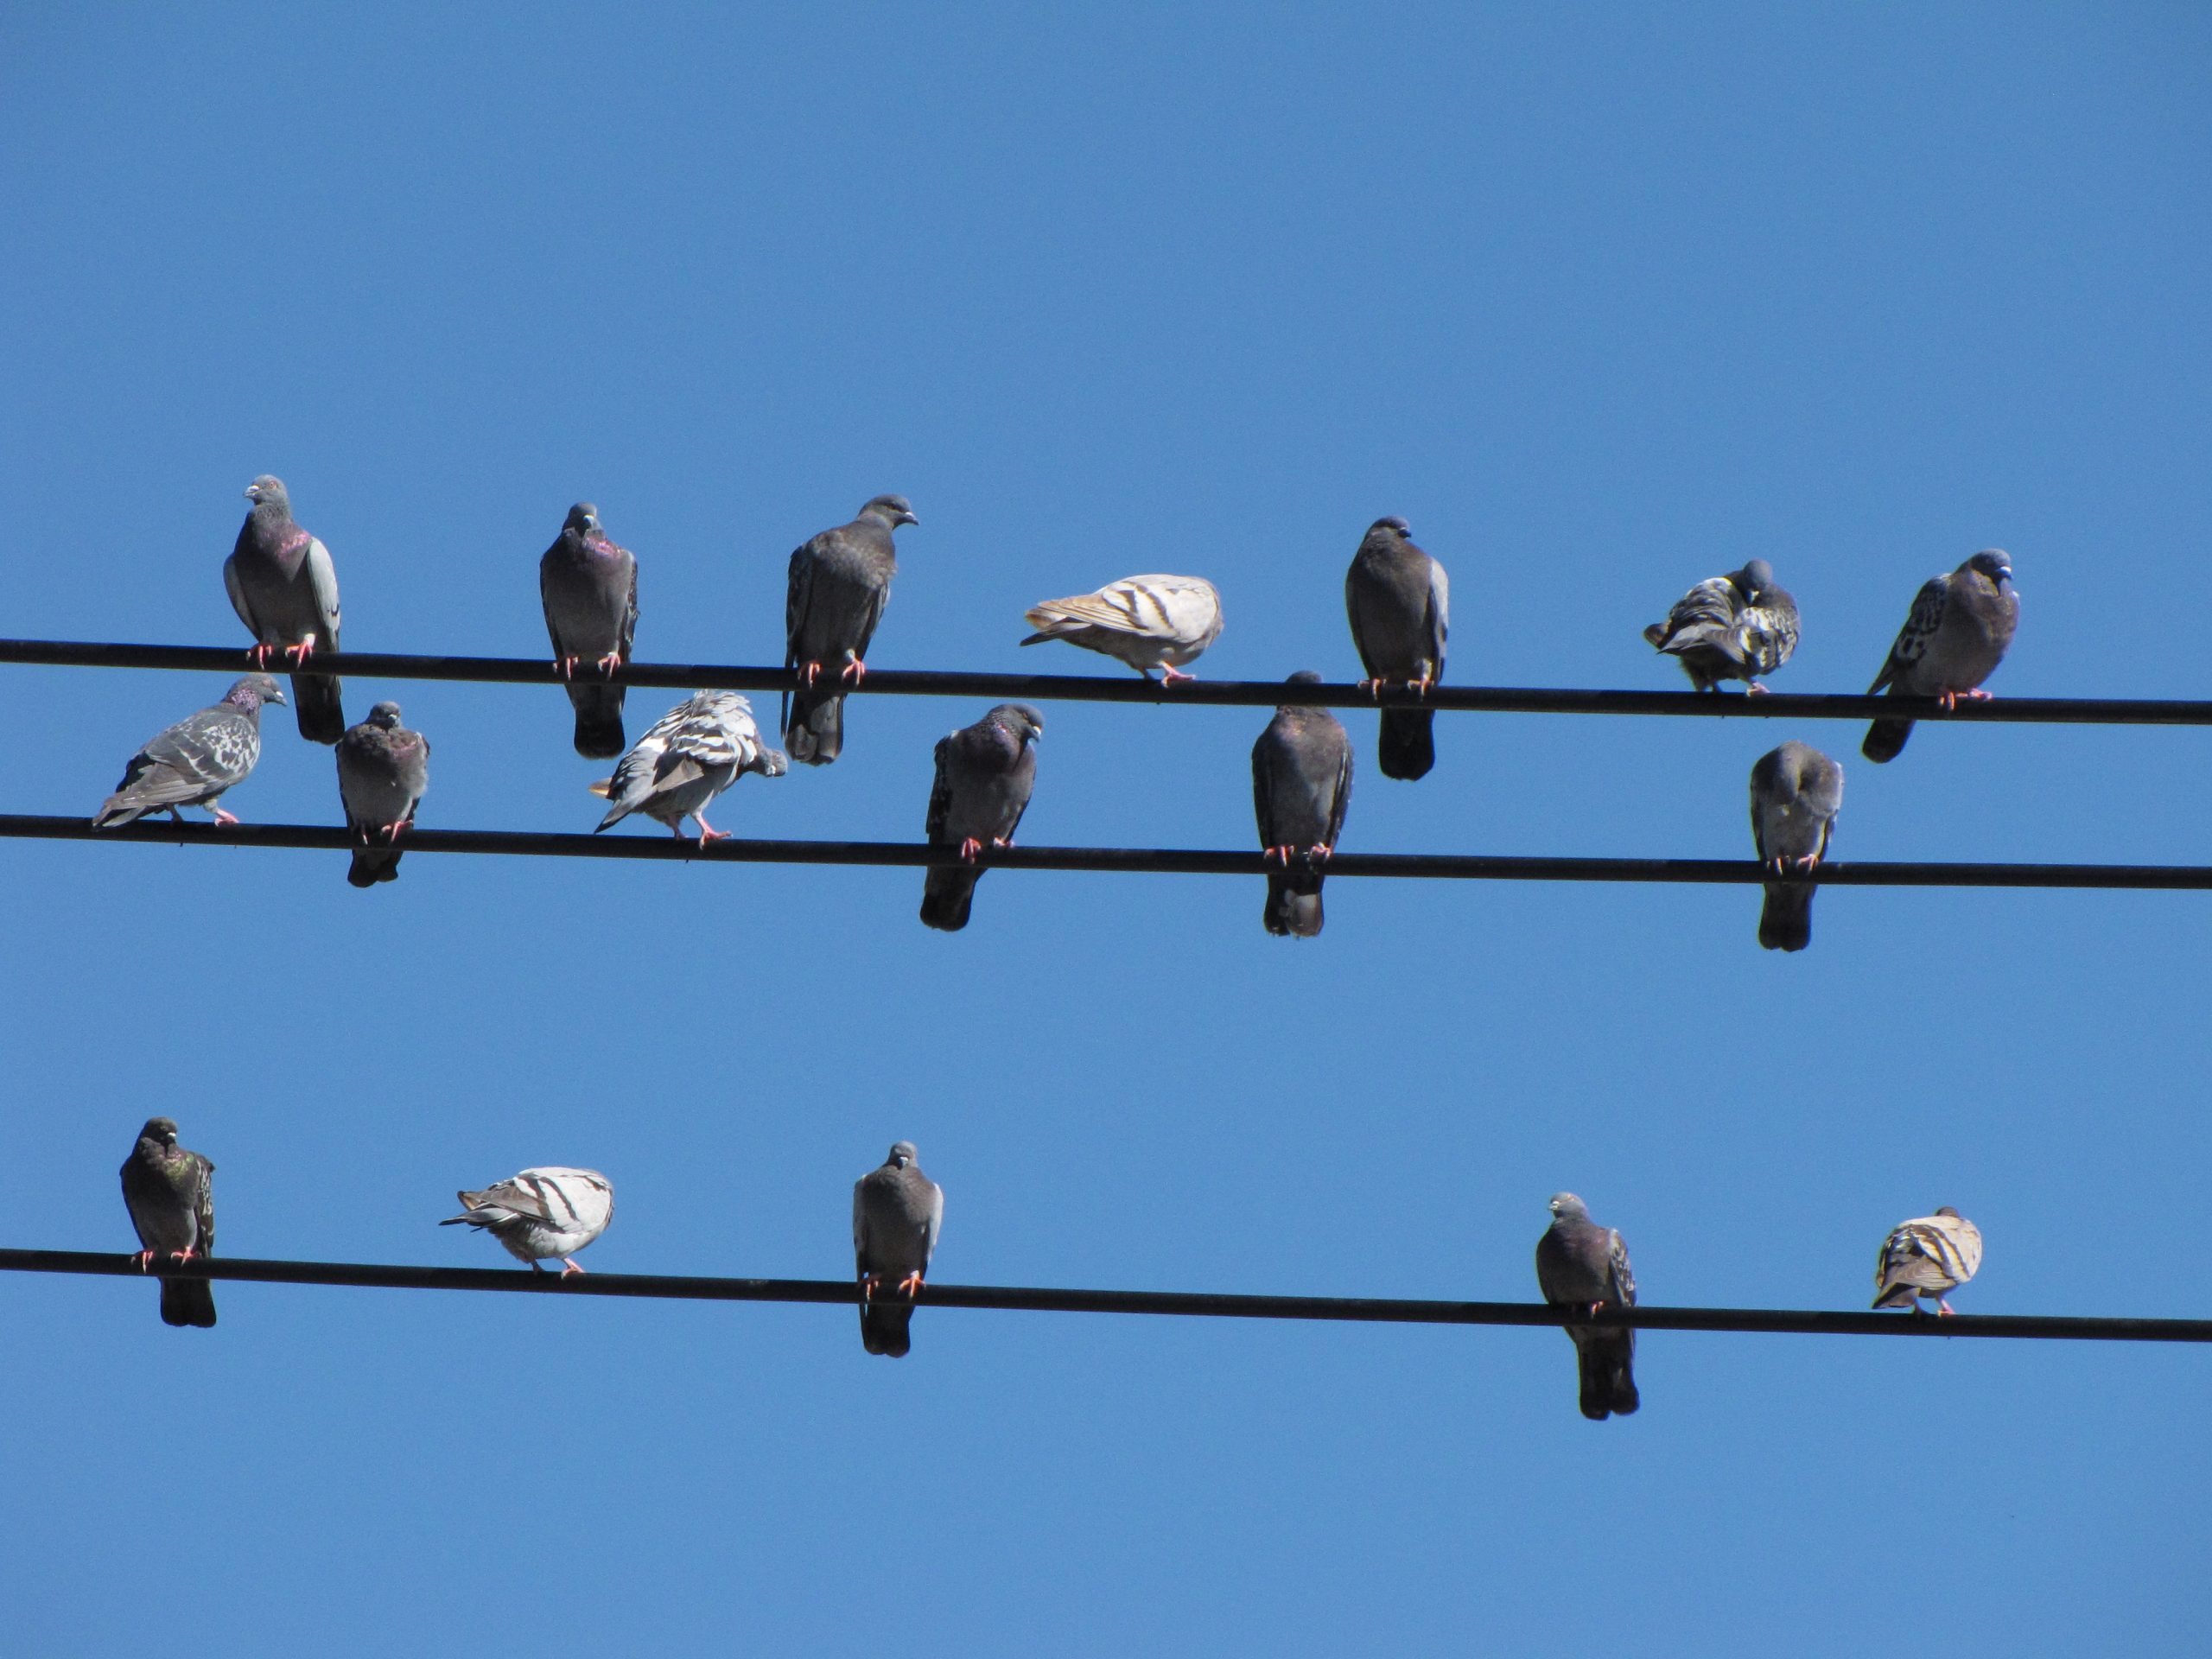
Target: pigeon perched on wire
[[1583, 1266], [383, 769], [541, 1215], [897, 1214], [285, 588], [840, 582], [1148, 622], [194, 762], [985, 773], [1796, 793], [1399, 603], [693, 753], [1926, 1258], [589, 588], [1959, 629], [1733, 628], [1301, 783], [172, 1204]]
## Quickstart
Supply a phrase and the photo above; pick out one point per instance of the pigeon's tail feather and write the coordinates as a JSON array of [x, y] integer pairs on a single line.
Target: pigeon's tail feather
[[1885, 739], [188, 1301], [1605, 1362], [1786, 922], [115, 811], [815, 734], [1898, 1296], [884, 1328], [1407, 745], [1293, 906], [372, 865], [315, 700], [946, 895], [599, 720]]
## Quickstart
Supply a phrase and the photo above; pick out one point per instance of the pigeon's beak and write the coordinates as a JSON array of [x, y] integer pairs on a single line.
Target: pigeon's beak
[[278, 696], [249, 493], [908, 518]]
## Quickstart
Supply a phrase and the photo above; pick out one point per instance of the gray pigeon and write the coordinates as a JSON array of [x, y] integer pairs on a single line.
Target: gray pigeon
[[1796, 793], [840, 581], [693, 753], [897, 1214], [1583, 1266], [1301, 783], [172, 1204], [589, 588], [1954, 640], [1400, 603], [541, 1215], [383, 769], [1926, 1257], [1733, 628], [1148, 622], [285, 588], [194, 761], [984, 776]]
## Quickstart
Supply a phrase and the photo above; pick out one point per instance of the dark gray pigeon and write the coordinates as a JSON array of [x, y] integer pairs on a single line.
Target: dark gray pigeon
[[1796, 793], [840, 581], [172, 1204], [984, 776], [897, 1214], [194, 761], [1400, 603], [691, 754], [589, 587], [1301, 783], [1957, 634], [285, 588], [1583, 1266], [383, 769], [1733, 628]]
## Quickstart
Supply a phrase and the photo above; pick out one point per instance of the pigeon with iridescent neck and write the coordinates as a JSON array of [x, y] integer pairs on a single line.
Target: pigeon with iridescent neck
[[285, 588], [194, 762], [1583, 1266], [172, 1204], [839, 582], [383, 769], [897, 1214], [1960, 628], [589, 589]]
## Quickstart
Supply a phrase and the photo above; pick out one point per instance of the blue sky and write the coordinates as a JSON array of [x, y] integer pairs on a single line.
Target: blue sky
[[1603, 303]]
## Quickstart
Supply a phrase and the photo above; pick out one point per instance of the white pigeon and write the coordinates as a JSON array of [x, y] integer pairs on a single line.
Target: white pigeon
[[693, 752], [1148, 622], [1926, 1257], [542, 1213]]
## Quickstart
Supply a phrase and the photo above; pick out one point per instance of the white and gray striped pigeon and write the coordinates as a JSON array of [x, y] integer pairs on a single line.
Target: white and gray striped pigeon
[[541, 1214], [285, 588], [693, 753], [897, 1214], [1796, 793], [985, 773], [1957, 634], [383, 769], [1399, 603], [840, 582], [172, 1204], [1301, 783], [1583, 1266], [1733, 628], [194, 762], [1927, 1257], [589, 588], [1148, 622]]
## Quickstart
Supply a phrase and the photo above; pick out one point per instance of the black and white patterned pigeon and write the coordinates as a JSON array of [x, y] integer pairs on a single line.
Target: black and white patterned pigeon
[[541, 1215], [383, 769], [285, 588], [1582, 1265], [1148, 622], [693, 753], [1733, 628], [1301, 783], [1399, 603], [1925, 1258], [840, 581], [1796, 793], [589, 588], [172, 1204], [985, 773], [897, 1214], [194, 761], [1957, 634]]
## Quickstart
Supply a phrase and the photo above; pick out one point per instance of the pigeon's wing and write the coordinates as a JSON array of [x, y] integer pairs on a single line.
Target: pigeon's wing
[[216, 746], [1263, 788], [236, 589], [630, 611], [322, 582], [203, 1202], [1621, 1278], [1151, 606], [1920, 627], [935, 1223], [798, 599], [1440, 612], [545, 599], [1340, 798], [940, 791], [859, 1225]]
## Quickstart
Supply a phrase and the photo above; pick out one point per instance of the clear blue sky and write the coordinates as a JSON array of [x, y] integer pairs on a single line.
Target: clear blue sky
[[1602, 302]]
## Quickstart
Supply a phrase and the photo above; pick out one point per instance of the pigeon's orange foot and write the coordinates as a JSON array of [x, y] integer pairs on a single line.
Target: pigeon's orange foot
[[259, 655], [971, 850], [1319, 853], [870, 1283], [1420, 687], [221, 816], [607, 664], [910, 1286], [1276, 855], [855, 670], [1808, 862], [1373, 687], [297, 655], [1978, 694], [1947, 701], [185, 1255], [808, 673]]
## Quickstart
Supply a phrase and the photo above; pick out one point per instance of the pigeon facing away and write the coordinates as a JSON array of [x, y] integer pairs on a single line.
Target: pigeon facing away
[[985, 773], [172, 1204], [1400, 603], [1927, 1257], [285, 588], [589, 587], [1957, 634], [840, 581], [1582, 1265], [1796, 793], [897, 1213], [1733, 628], [1148, 622], [693, 752], [383, 769], [194, 761], [1301, 783], [541, 1214]]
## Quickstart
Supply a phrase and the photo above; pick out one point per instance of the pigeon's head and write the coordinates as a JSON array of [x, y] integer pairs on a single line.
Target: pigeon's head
[[385, 715], [162, 1131], [1393, 528], [902, 1156], [1754, 579], [892, 509], [1993, 562], [1019, 718], [1565, 1207], [255, 689], [1953, 1214], [583, 518], [268, 491], [1304, 677]]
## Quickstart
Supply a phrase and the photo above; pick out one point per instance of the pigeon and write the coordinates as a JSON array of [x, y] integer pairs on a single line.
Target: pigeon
[[1583, 1266], [589, 587], [1148, 622], [1733, 628], [695, 751], [383, 769], [542, 1213], [1400, 603], [194, 761], [1927, 1257], [1301, 783], [172, 1204], [1957, 634], [897, 1213], [285, 588], [1796, 793], [984, 776], [840, 581]]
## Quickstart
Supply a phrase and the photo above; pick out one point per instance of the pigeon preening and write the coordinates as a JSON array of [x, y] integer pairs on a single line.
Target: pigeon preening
[[1796, 793], [840, 581], [541, 1215], [1954, 640], [897, 1212], [1927, 1257], [1733, 628], [1301, 783], [693, 752], [1583, 1266], [1399, 603], [383, 769], [194, 761], [984, 776], [172, 1204], [285, 590], [589, 587], [1148, 622]]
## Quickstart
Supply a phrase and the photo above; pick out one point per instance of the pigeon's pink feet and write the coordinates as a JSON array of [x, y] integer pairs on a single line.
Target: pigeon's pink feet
[[1943, 1310], [870, 1283], [145, 1261], [1277, 855], [259, 655], [970, 849], [607, 664], [566, 666], [222, 818], [569, 1268], [1751, 689], [808, 673], [855, 670], [709, 834], [391, 831], [297, 655], [1947, 700], [1321, 853], [1420, 687], [1170, 675], [1808, 862], [183, 1255], [1373, 687], [1978, 694], [910, 1286], [1001, 842]]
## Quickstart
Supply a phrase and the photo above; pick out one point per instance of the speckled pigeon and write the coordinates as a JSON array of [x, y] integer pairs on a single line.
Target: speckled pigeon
[[589, 588], [897, 1214], [1583, 1266], [1148, 622], [840, 582], [1399, 603], [1796, 793], [1954, 640], [984, 776], [541, 1214], [1301, 783], [1925, 1258], [172, 1204], [285, 588], [693, 752], [194, 761], [1733, 628], [383, 769]]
